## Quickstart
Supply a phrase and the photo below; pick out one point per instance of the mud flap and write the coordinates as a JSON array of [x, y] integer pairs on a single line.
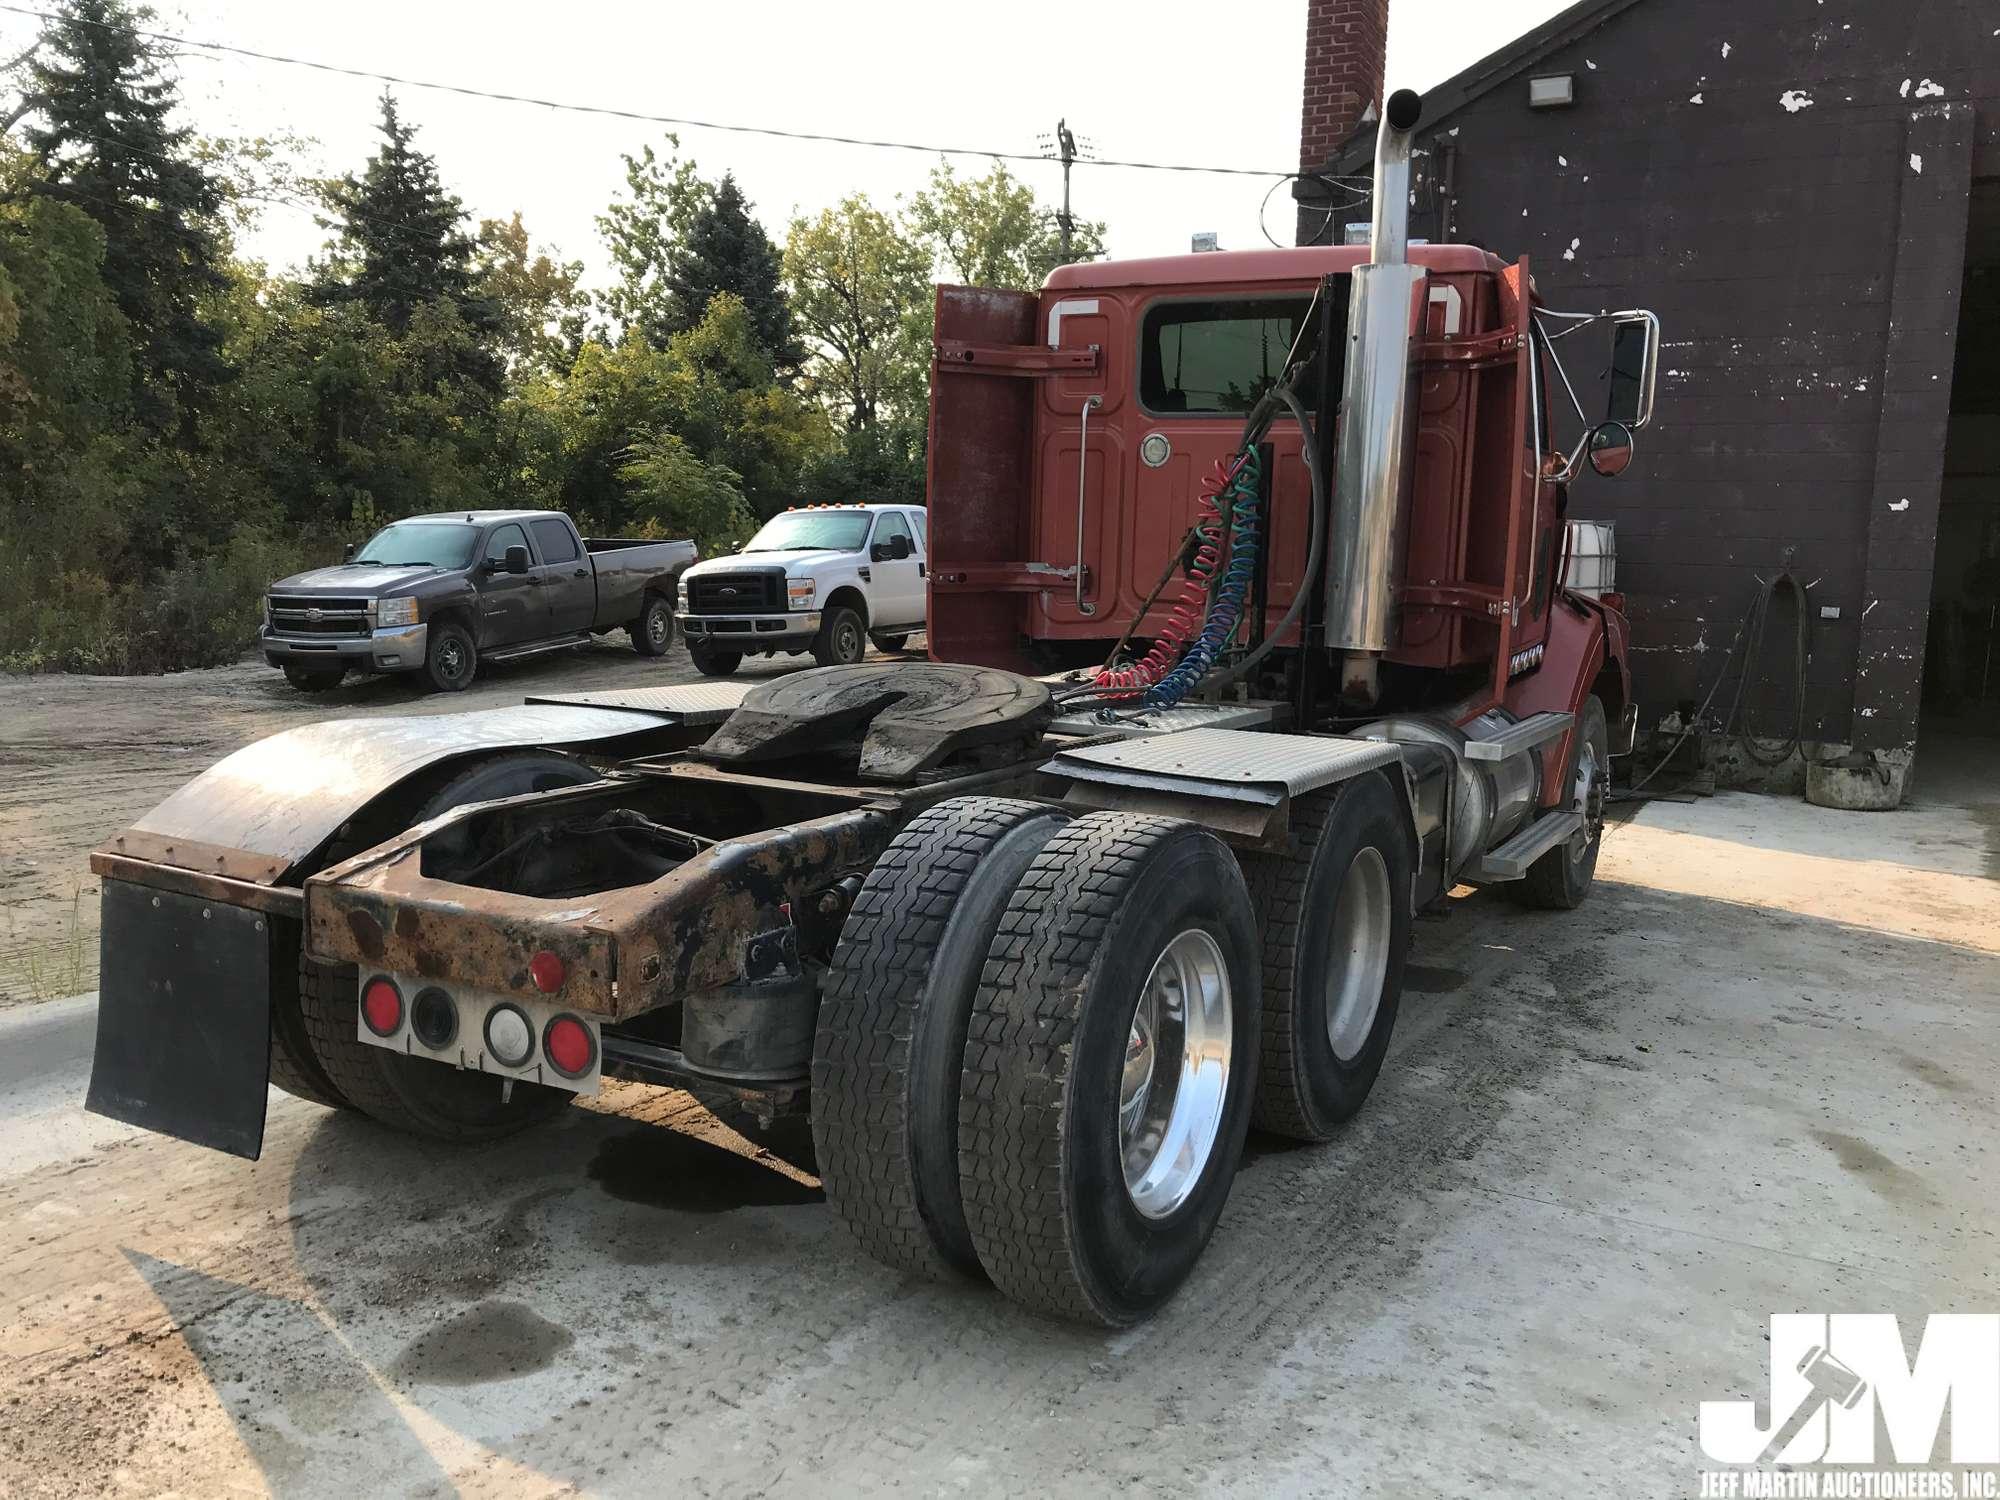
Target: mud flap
[[183, 1018]]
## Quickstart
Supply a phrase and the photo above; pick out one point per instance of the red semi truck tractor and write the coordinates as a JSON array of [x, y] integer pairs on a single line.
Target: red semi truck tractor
[[1249, 642]]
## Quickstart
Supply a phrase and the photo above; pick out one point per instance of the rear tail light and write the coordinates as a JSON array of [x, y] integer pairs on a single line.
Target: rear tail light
[[547, 972], [509, 1037], [570, 1047], [434, 1019], [382, 1006]]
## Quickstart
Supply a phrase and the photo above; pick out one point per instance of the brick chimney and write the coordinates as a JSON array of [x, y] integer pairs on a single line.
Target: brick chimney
[[1346, 44]]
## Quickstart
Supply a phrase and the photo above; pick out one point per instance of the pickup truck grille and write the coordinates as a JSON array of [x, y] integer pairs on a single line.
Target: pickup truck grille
[[736, 593], [308, 615]]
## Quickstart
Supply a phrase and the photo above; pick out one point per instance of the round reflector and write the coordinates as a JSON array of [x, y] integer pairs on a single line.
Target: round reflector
[[382, 1006], [570, 1046], [509, 1037], [434, 1019], [547, 972]]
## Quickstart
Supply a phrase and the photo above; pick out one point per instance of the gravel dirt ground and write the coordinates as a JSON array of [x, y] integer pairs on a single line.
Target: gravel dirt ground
[[83, 757], [1752, 1074]]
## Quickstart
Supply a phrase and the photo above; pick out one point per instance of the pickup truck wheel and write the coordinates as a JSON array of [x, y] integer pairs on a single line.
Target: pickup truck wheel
[[712, 661], [842, 640], [1560, 879], [882, 642], [1108, 1067], [308, 681], [452, 658], [892, 1020], [1335, 917], [653, 631], [415, 1095]]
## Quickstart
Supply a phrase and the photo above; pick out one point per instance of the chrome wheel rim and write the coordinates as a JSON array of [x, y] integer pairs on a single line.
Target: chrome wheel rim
[[1175, 1081], [1589, 795], [1358, 952], [656, 626], [451, 658], [847, 642]]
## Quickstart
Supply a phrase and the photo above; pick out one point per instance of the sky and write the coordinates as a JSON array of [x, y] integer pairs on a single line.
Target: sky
[[1153, 82]]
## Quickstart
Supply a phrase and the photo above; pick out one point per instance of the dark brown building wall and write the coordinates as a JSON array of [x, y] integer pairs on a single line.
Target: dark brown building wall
[[1785, 182]]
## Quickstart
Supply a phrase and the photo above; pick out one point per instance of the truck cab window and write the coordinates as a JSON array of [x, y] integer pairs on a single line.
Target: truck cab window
[[554, 538], [892, 525], [502, 538], [1215, 358]]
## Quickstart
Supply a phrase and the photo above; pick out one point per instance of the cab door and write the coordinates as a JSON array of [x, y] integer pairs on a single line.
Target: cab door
[[567, 585], [512, 608], [896, 586]]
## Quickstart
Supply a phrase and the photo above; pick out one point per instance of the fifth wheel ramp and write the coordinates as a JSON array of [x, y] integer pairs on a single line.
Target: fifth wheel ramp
[[908, 716]]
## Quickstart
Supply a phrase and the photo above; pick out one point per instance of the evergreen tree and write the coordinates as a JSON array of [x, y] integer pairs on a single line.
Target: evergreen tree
[[104, 142], [403, 246], [725, 250]]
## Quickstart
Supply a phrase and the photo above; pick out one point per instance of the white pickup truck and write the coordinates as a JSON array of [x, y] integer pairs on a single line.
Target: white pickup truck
[[826, 579]]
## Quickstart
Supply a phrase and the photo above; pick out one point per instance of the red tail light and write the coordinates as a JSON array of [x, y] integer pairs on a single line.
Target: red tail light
[[570, 1047], [382, 1006], [547, 972]]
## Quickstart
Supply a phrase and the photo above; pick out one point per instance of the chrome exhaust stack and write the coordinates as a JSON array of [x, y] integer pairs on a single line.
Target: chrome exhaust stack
[[1377, 425]]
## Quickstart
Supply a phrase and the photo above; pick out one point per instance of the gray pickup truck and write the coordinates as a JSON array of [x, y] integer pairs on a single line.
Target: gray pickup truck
[[439, 594]]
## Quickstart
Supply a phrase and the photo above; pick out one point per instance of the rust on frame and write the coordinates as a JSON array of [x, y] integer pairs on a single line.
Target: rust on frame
[[624, 951]]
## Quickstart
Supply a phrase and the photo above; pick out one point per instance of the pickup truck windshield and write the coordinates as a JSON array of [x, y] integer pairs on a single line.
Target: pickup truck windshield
[[803, 530], [442, 544]]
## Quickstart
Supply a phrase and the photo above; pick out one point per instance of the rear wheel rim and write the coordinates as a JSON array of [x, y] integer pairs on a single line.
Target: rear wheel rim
[[1358, 953], [1175, 1081]]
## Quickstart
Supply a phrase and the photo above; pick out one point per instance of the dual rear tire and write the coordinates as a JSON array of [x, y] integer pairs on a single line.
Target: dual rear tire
[[1034, 1053]]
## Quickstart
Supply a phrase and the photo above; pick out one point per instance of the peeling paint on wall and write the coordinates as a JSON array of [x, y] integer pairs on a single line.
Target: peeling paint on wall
[[1694, 98], [1795, 100], [1899, 505], [1574, 246], [1930, 90], [1916, 162], [1725, 49]]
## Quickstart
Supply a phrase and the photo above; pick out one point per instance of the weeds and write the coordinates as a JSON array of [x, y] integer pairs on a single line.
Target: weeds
[[58, 966]]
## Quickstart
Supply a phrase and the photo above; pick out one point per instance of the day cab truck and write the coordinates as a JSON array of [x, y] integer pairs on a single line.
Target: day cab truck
[[439, 594], [828, 579], [1249, 641]]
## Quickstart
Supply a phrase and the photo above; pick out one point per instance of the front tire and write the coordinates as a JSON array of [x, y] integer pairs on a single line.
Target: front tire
[[451, 660], [1334, 910], [712, 661], [1108, 1067], [653, 631], [1562, 878], [414, 1095], [843, 638], [308, 681], [892, 1022]]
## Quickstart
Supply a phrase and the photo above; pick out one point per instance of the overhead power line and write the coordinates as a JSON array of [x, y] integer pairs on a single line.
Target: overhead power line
[[569, 107]]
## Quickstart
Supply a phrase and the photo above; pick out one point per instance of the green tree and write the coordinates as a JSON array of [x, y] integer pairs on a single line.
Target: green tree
[[663, 198], [676, 494], [991, 231], [104, 139], [858, 286], [541, 301], [402, 244], [724, 249]]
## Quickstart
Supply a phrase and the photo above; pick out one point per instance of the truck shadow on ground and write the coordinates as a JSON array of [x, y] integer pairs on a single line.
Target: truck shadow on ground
[[455, 1305]]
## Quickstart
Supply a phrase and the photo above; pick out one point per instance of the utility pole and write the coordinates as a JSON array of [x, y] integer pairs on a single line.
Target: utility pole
[[1069, 150], [1066, 143]]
